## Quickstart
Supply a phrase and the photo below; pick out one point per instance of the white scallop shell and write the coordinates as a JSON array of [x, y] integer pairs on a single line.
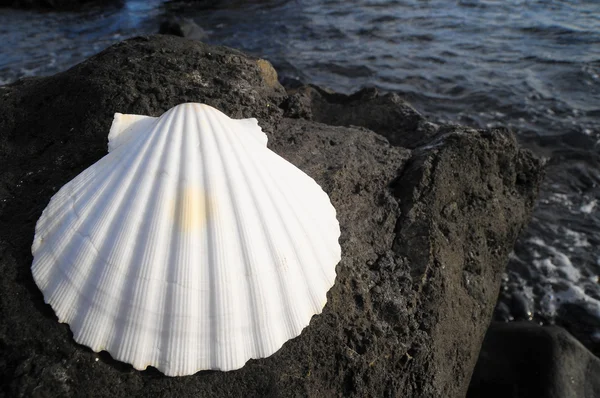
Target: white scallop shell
[[189, 246]]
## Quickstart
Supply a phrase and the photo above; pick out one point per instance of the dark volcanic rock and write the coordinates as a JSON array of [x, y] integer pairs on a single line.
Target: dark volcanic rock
[[523, 359], [182, 27], [425, 233], [388, 115]]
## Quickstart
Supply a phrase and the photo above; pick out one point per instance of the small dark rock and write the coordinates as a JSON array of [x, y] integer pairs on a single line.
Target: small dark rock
[[581, 322], [523, 359], [182, 27], [290, 83], [388, 114]]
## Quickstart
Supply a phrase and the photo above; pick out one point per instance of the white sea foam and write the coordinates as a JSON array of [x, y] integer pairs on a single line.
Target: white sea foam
[[555, 264], [577, 239], [587, 208], [561, 198], [562, 281]]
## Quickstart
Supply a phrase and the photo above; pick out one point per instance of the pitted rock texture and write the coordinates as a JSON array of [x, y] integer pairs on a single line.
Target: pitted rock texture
[[425, 231]]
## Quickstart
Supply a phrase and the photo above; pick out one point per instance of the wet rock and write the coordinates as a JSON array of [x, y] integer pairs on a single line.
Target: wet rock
[[581, 320], [425, 232], [523, 359], [182, 27], [388, 114]]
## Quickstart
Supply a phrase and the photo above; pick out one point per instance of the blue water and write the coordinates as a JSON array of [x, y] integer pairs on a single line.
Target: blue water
[[533, 66]]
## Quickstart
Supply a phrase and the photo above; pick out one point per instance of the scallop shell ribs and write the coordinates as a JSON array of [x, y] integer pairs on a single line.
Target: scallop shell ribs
[[189, 246]]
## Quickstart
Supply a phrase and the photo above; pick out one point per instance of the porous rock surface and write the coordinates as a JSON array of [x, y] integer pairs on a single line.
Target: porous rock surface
[[425, 231], [524, 359]]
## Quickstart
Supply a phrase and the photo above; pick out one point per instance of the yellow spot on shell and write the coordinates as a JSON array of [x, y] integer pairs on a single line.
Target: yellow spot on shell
[[188, 209]]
